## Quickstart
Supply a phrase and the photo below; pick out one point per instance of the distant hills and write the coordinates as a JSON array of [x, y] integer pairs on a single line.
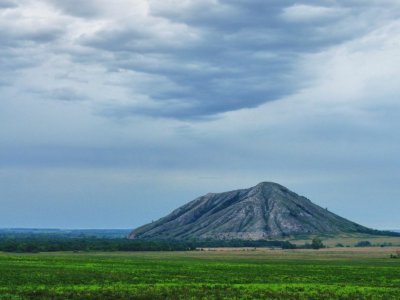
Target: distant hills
[[64, 233], [265, 211]]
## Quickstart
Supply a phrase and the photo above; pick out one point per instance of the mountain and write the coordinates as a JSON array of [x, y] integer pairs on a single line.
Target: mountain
[[267, 210]]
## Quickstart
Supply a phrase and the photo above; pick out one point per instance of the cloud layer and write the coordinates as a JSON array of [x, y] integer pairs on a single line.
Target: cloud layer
[[177, 59]]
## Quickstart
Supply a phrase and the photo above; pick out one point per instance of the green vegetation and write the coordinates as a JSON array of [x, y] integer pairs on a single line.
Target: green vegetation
[[363, 244], [49, 243], [348, 239], [317, 243], [33, 243], [356, 273]]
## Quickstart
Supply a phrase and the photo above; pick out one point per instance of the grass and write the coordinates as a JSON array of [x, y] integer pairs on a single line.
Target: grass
[[346, 273], [349, 239]]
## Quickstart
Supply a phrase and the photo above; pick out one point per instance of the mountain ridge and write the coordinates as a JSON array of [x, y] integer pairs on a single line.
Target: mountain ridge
[[267, 210]]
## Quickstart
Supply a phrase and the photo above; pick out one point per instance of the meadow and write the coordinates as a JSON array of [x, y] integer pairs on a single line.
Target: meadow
[[332, 273], [350, 239]]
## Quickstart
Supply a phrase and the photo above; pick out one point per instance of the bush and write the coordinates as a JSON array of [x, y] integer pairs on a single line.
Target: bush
[[317, 243], [363, 244]]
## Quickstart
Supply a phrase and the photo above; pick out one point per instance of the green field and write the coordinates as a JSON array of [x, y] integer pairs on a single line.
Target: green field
[[349, 239], [350, 273]]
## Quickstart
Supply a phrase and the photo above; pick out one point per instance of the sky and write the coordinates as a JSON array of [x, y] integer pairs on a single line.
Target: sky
[[114, 113]]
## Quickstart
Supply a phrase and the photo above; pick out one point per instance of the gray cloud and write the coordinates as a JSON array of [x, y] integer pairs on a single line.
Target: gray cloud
[[190, 60], [23, 38], [84, 9], [194, 59], [4, 4], [223, 56], [58, 93]]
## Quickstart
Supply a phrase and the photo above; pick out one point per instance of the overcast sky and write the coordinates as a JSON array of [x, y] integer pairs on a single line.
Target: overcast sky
[[113, 113]]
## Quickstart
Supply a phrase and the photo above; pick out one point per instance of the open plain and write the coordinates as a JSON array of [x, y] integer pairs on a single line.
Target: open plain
[[333, 273]]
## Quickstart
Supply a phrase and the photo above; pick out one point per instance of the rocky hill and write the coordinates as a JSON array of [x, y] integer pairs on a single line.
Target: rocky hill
[[267, 210]]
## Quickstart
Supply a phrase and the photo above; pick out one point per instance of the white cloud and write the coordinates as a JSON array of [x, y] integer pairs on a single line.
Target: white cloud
[[310, 13]]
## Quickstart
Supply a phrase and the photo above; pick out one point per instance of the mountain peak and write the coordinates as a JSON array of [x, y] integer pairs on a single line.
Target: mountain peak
[[268, 183], [267, 210], [270, 186]]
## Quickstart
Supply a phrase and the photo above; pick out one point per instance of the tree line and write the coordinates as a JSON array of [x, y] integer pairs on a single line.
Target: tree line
[[32, 244]]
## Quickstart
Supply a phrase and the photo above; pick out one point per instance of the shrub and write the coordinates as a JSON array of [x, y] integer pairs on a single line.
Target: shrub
[[317, 243], [363, 244]]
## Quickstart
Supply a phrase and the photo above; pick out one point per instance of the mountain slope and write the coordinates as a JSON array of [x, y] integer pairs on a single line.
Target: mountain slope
[[267, 210]]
